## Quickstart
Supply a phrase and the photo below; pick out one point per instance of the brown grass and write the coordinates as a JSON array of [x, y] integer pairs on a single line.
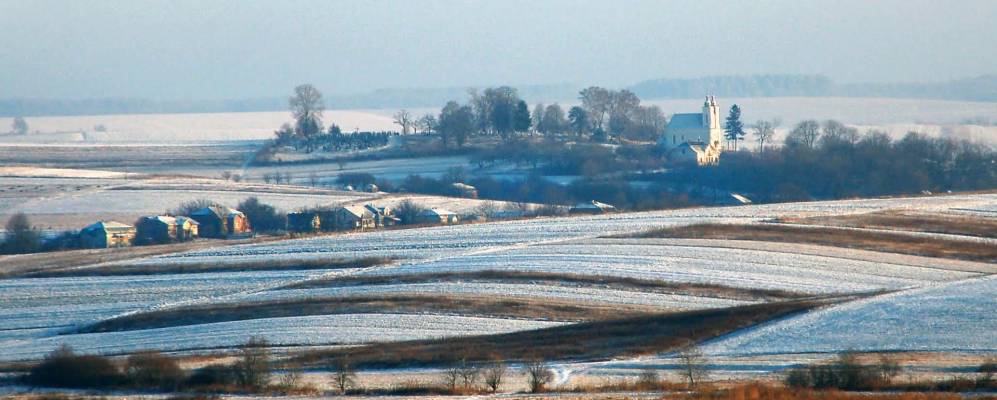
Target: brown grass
[[755, 391], [830, 236], [623, 337], [508, 307], [537, 277], [215, 266], [915, 222]]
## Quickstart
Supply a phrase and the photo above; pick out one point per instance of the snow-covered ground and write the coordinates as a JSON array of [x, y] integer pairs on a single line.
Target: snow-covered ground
[[959, 316], [34, 309]]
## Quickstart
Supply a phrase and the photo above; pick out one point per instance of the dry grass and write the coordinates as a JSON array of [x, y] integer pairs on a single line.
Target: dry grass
[[839, 237], [623, 337], [541, 278], [506, 307], [218, 266], [915, 222]]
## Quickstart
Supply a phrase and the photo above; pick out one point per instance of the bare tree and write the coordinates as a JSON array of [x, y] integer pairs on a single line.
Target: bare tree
[[804, 134], [404, 119], [451, 376], [469, 373], [291, 377], [428, 123], [764, 130], [253, 367], [494, 373], [344, 376], [306, 107], [539, 375], [693, 364]]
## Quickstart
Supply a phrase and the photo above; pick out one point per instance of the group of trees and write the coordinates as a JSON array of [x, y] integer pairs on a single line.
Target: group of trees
[[19, 126], [501, 112], [828, 160]]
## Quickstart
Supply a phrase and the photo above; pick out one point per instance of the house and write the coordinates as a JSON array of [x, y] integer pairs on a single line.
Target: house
[[104, 234], [695, 137], [353, 217], [591, 207], [437, 216], [464, 190], [305, 221], [165, 229], [221, 222], [383, 216]]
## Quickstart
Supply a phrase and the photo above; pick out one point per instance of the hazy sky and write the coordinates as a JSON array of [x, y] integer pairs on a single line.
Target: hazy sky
[[232, 49]]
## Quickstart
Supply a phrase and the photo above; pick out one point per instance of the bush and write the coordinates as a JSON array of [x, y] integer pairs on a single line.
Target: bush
[[20, 237], [64, 368], [154, 369], [262, 217], [845, 373], [408, 211], [212, 376]]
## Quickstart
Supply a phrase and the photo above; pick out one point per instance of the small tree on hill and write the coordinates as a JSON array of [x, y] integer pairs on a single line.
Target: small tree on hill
[[494, 373], [539, 375], [253, 367], [262, 217], [764, 130], [734, 128], [344, 376], [306, 107], [19, 126]]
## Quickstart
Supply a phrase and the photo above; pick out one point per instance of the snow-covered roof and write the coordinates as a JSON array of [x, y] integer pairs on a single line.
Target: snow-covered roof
[[357, 211], [108, 226], [438, 212], [686, 120], [593, 205], [219, 211]]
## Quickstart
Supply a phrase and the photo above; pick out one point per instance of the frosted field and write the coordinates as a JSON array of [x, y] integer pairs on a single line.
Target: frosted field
[[27, 322], [741, 268], [172, 128], [960, 316], [894, 115], [311, 330]]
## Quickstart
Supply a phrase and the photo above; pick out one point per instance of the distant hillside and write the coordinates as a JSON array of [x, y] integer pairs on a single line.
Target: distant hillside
[[382, 98], [982, 88]]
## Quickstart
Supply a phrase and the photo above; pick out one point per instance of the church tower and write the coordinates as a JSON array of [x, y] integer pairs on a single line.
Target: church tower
[[711, 114]]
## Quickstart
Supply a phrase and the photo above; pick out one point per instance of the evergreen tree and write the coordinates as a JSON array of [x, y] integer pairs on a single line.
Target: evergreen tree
[[734, 128], [522, 117], [578, 119]]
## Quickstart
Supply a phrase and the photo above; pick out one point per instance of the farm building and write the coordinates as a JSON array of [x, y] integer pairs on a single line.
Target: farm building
[[221, 222], [592, 207], [354, 217], [465, 190], [305, 221], [383, 216], [106, 234], [437, 216], [165, 229]]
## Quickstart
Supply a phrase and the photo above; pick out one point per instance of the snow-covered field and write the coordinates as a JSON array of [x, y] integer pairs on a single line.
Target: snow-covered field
[[34, 309], [959, 316], [892, 115]]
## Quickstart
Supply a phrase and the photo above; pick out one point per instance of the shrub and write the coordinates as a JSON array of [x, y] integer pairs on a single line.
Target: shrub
[[64, 368], [253, 369], [212, 376], [154, 369], [539, 375], [408, 211]]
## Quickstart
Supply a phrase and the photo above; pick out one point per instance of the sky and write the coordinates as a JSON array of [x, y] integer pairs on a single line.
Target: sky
[[225, 49]]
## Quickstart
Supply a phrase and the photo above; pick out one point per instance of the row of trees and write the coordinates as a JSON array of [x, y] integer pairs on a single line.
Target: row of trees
[[502, 113]]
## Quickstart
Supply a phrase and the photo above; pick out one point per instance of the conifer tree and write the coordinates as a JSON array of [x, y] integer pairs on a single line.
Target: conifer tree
[[734, 128]]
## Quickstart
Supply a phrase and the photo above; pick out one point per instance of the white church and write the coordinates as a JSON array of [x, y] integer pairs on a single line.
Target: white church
[[695, 137]]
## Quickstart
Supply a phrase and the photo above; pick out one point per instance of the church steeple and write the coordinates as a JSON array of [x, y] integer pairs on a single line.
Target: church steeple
[[711, 114]]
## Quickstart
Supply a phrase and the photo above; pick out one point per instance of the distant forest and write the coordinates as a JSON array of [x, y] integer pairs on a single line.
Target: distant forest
[[982, 88]]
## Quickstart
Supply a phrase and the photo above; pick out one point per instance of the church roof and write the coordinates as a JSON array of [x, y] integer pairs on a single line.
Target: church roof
[[687, 120]]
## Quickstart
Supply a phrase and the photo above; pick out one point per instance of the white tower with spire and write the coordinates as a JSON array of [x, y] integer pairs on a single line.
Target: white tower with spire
[[696, 136]]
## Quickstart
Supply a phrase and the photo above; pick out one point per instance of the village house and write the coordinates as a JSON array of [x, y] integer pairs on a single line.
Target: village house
[[694, 137], [591, 207], [383, 216], [437, 216], [354, 217], [465, 190], [165, 229], [105, 234], [305, 221], [221, 222]]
